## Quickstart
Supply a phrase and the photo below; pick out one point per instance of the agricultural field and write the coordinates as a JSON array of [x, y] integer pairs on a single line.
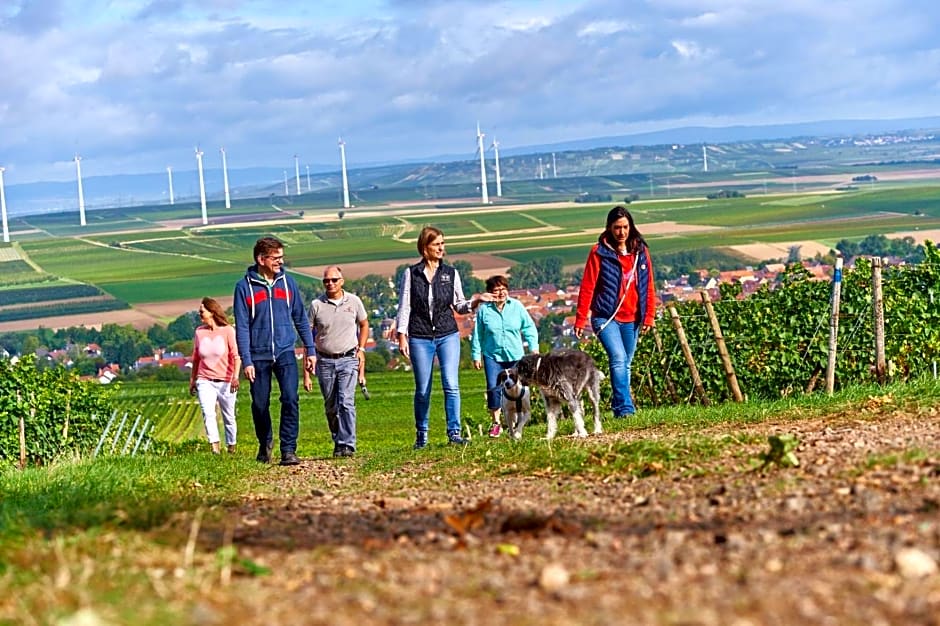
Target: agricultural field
[[143, 256], [28, 293], [173, 413]]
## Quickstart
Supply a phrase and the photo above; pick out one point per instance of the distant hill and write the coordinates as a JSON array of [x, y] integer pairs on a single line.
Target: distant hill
[[739, 148], [729, 134]]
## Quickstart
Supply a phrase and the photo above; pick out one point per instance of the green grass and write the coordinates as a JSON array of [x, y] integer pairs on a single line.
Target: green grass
[[130, 492], [917, 455], [107, 533], [143, 491]]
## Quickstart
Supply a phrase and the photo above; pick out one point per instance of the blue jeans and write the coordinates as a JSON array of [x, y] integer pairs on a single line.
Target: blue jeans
[[284, 368], [423, 351], [492, 368], [619, 341], [337, 378]]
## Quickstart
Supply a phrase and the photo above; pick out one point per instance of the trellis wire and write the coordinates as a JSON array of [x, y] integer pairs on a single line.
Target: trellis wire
[[104, 434], [130, 436], [118, 435], [135, 440]]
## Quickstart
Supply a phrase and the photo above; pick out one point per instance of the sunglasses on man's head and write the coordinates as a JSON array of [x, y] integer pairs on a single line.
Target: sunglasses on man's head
[[327, 281]]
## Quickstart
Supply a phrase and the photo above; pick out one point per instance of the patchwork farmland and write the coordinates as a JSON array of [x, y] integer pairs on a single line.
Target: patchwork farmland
[[150, 264]]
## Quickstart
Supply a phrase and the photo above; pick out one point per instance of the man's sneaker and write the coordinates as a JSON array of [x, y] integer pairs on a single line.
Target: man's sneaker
[[421, 439], [264, 452], [289, 458], [496, 430], [454, 438], [343, 451]]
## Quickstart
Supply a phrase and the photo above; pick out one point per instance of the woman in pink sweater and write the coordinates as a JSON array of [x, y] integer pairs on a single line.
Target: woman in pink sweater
[[215, 372]]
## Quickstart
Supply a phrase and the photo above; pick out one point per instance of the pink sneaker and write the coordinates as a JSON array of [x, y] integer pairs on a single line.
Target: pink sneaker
[[495, 430]]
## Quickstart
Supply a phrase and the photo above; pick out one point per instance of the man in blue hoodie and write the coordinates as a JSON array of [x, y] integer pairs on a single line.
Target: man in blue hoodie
[[269, 313]]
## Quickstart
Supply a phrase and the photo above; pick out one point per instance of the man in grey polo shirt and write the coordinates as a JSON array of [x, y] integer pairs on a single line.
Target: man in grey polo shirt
[[340, 329]]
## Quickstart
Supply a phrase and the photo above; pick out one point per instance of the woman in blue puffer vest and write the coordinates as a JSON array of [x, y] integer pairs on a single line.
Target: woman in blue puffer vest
[[619, 294]]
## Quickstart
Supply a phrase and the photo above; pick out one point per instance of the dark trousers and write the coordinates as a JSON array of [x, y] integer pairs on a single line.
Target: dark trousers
[[284, 369]]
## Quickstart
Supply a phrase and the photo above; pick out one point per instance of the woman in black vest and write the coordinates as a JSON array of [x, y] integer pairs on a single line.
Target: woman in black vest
[[429, 294]]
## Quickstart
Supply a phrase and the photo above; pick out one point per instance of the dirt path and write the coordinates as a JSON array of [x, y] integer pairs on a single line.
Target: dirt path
[[849, 537]]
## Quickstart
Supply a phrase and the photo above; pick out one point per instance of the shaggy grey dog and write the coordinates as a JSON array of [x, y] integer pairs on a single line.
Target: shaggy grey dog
[[517, 405], [561, 376]]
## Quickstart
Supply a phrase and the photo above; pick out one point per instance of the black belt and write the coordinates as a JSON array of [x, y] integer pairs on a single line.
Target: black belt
[[218, 380], [337, 355]]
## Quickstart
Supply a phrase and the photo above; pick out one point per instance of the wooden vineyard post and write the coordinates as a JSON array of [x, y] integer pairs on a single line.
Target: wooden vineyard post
[[652, 388], [834, 326], [19, 400], [670, 387], [722, 349], [878, 310], [68, 411], [687, 353], [930, 293]]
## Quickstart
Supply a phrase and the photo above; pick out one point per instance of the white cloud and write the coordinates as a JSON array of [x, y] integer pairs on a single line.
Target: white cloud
[[132, 85], [603, 28], [688, 49]]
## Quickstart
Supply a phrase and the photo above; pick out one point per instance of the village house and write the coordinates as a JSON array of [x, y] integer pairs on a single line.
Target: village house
[[164, 358]]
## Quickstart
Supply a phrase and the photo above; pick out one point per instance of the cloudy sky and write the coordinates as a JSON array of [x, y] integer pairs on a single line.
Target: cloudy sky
[[134, 85]]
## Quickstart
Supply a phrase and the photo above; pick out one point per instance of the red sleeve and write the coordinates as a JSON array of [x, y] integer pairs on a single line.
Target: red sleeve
[[650, 295], [586, 292]]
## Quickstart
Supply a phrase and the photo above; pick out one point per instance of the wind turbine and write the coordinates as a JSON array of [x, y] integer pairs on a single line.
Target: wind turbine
[[228, 198], [484, 195], [169, 175], [704, 159], [554, 167], [297, 173], [3, 208], [202, 187], [286, 188], [499, 186], [309, 188], [541, 172], [81, 192], [342, 158]]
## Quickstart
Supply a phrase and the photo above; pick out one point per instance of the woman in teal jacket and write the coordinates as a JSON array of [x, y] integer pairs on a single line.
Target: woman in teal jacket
[[497, 343]]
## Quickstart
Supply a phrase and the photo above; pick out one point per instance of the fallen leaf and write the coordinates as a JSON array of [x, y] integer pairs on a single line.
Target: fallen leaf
[[508, 549], [470, 519]]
